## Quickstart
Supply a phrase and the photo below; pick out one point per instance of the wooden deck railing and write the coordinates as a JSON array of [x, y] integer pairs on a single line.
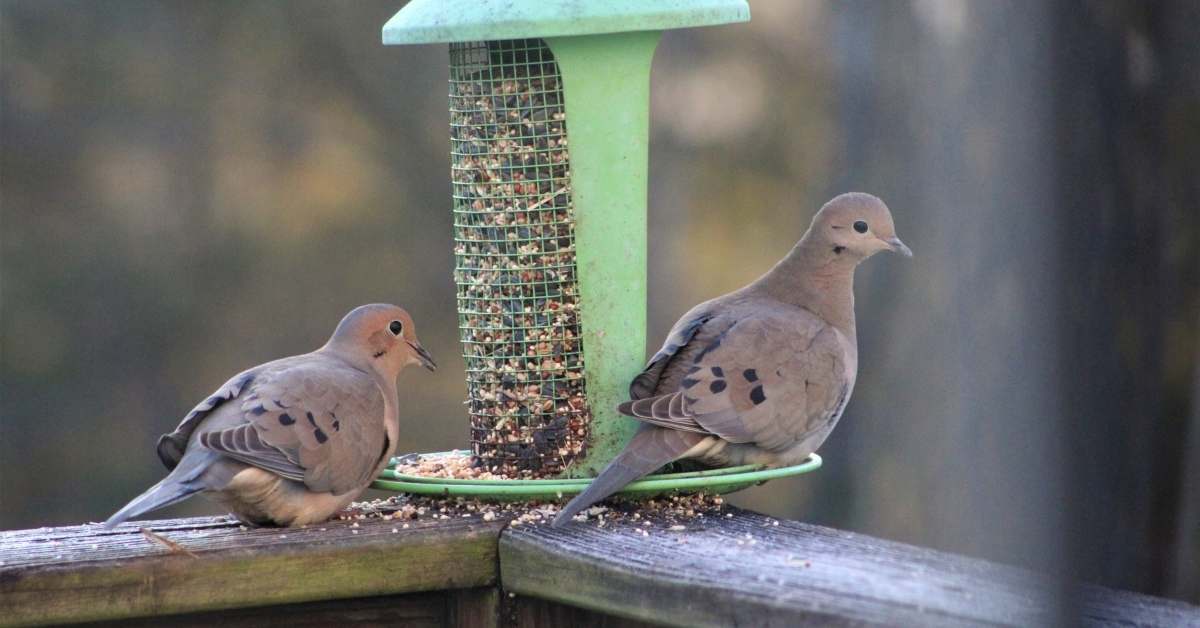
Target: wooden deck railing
[[741, 568]]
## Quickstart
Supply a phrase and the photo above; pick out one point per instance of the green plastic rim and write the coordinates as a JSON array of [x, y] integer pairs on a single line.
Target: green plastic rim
[[721, 481]]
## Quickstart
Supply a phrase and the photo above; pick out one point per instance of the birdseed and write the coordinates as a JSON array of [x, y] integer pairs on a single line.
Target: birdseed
[[667, 512], [515, 266]]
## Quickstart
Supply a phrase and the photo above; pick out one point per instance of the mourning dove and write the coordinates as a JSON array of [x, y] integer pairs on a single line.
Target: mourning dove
[[292, 442], [762, 374]]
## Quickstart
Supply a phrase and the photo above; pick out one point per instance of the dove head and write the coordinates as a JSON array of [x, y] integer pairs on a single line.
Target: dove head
[[855, 226], [381, 338]]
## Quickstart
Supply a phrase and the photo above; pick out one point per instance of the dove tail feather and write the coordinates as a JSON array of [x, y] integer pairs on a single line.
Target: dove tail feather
[[180, 484], [165, 493], [649, 449]]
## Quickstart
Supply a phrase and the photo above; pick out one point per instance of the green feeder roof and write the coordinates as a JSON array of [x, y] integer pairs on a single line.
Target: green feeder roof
[[445, 21]]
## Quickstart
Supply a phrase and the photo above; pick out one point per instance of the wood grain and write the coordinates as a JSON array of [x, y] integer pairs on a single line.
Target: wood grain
[[531, 612], [735, 568], [83, 573], [752, 570], [412, 610]]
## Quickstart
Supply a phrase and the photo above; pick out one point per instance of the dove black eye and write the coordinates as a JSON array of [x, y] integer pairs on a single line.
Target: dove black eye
[[396, 327], [860, 226]]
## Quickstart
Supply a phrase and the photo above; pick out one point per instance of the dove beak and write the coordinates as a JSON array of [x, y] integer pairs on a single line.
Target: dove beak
[[896, 246], [423, 356]]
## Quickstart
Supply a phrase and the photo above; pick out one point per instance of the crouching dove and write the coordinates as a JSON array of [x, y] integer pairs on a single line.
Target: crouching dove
[[292, 442], [762, 374]]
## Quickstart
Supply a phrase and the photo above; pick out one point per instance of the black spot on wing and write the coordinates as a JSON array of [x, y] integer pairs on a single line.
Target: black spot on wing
[[286, 419], [321, 437], [717, 386], [717, 371], [337, 425], [311, 420], [751, 375], [689, 382], [258, 410], [757, 395], [693, 370], [712, 346]]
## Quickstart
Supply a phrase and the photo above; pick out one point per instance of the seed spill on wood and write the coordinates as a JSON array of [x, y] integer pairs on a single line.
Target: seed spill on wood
[[515, 267], [667, 512]]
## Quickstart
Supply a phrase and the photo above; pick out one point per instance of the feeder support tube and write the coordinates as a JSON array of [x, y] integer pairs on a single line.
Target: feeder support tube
[[606, 88]]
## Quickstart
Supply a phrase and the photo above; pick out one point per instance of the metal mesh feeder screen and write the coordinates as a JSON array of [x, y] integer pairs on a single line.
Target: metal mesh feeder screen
[[515, 265]]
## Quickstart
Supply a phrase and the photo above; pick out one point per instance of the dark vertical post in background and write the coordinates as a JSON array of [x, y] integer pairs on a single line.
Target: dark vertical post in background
[[1125, 140], [1184, 581]]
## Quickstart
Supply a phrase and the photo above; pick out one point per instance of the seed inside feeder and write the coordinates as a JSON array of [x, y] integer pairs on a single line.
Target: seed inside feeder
[[514, 228]]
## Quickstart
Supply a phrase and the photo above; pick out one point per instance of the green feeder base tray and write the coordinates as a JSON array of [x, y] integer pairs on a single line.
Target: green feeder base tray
[[717, 481]]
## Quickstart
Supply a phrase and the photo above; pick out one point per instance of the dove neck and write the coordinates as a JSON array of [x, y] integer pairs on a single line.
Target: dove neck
[[345, 352], [812, 276], [341, 351]]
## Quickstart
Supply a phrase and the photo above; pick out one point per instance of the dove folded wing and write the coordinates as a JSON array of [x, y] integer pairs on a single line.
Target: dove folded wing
[[699, 321], [171, 446], [769, 379], [299, 420]]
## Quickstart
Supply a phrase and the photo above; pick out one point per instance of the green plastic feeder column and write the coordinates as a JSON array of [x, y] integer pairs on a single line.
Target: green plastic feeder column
[[604, 51]]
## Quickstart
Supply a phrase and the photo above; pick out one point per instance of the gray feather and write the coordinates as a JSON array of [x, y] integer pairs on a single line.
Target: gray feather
[[650, 448], [184, 481]]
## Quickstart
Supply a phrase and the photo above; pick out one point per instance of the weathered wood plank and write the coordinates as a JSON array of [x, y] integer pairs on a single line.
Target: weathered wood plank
[[460, 608], [473, 608], [749, 569], [411, 610], [532, 612], [83, 573], [741, 569]]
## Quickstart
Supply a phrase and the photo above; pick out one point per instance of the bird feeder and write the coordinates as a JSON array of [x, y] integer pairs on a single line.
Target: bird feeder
[[549, 106]]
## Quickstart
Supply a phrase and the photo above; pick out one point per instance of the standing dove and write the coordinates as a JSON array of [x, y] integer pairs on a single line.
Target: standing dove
[[762, 374], [292, 442]]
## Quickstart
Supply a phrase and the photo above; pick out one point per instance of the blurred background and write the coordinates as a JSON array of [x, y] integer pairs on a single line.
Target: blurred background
[[188, 189]]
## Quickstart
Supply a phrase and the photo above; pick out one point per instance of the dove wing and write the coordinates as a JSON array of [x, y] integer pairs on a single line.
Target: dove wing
[[691, 333], [770, 379], [171, 446], [316, 421]]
